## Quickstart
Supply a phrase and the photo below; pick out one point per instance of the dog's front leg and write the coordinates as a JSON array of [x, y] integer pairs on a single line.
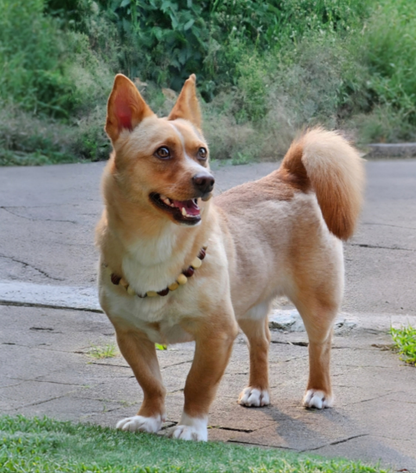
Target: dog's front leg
[[212, 352], [140, 354]]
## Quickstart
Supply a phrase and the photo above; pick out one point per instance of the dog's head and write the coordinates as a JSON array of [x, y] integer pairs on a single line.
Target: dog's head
[[160, 162]]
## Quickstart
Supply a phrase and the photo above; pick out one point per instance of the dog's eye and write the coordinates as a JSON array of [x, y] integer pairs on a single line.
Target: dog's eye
[[202, 153], [163, 153]]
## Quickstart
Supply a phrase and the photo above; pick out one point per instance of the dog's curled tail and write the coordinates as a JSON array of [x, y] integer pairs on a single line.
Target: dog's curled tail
[[325, 161]]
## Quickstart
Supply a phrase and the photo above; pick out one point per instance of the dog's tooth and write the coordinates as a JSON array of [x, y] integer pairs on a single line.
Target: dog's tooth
[[184, 212]]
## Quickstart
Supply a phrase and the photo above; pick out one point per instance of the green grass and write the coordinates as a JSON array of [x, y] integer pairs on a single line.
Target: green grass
[[405, 341], [108, 350], [161, 347], [49, 446]]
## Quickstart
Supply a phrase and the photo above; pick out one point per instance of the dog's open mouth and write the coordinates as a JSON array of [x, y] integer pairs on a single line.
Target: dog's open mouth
[[185, 211]]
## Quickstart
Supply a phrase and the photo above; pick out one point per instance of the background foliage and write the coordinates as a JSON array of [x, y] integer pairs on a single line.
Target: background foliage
[[265, 70]]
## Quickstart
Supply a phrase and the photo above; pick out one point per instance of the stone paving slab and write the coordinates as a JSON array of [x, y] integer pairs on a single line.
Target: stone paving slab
[[49, 372], [47, 220]]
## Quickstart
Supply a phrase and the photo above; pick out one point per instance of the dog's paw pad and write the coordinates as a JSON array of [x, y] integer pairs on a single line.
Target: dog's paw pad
[[253, 397], [317, 399], [140, 424]]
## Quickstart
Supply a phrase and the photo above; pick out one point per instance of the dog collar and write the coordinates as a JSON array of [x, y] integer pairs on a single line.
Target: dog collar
[[181, 280]]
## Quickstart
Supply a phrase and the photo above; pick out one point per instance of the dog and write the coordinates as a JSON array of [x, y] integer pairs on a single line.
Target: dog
[[178, 266]]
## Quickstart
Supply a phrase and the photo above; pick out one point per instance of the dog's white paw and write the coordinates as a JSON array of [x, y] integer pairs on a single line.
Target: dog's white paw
[[250, 397], [140, 424], [191, 428], [317, 399]]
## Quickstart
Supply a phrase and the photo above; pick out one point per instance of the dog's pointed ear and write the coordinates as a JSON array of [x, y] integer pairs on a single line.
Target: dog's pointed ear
[[187, 105], [126, 108]]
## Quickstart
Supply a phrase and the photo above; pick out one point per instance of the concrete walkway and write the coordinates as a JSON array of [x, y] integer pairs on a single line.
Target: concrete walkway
[[50, 320]]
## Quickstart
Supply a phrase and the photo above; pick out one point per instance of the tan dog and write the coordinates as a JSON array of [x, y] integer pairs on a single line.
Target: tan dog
[[278, 235]]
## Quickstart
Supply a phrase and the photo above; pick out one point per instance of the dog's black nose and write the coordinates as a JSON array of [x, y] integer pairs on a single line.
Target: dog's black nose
[[204, 182]]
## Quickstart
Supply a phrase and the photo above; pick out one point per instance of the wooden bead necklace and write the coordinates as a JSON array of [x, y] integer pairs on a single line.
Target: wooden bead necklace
[[181, 280]]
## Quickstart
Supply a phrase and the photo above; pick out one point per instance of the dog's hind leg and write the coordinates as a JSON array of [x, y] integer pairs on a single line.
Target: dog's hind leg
[[140, 354], [318, 321], [256, 328], [317, 295]]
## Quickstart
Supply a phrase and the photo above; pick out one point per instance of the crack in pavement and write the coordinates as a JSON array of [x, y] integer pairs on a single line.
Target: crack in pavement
[[41, 347], [13, 385], [180, 390], [259, 444], [38, 403], [37, 380], [364, 245], [176, 364], [231, 429], [108, 364], [297, 344], [372, 398], [7, 209], [47, 306], [337, 442], [28, 265], [389, 225]]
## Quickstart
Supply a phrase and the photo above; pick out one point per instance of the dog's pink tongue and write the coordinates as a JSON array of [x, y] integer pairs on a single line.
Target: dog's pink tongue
[[189, 205]]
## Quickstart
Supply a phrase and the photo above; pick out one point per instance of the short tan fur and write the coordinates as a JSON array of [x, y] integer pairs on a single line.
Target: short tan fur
[[278, 235]]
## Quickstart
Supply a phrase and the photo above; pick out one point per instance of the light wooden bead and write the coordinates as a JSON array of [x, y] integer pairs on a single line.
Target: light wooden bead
[[151, 294], [182, 279], [173, 286], [131, 291], [196, 263], [123, 283]]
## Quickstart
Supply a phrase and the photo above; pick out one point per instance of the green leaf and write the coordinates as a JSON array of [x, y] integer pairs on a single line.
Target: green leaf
[[188, 24]]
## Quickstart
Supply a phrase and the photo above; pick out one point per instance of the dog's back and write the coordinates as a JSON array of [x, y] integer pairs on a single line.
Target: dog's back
[[283, 225]]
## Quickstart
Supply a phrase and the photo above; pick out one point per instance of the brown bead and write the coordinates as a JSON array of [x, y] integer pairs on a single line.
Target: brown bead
[[188, 272], [115, 279], [202, 254], [165, 292]]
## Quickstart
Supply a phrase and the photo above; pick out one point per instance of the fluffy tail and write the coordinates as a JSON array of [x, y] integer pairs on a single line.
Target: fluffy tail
[[326, 162]]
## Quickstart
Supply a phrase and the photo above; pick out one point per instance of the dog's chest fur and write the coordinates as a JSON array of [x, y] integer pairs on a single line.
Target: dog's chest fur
[[150, 265]]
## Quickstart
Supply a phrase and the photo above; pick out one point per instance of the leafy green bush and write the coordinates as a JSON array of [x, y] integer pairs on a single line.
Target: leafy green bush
[[32, 57], [264, 70], [389, 49], [168, 40], [29, 140]]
